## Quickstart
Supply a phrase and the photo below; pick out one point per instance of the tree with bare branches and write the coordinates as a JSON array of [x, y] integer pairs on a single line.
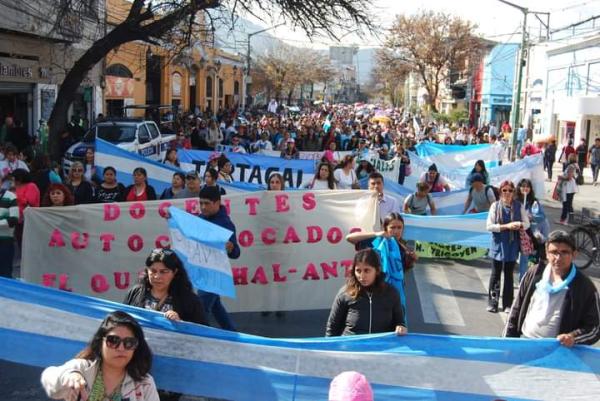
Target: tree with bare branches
[[388, 75], [153, 21], [433, 45]]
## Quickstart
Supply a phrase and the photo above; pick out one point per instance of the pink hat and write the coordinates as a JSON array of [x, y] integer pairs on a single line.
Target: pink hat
[[350, 386], [214, 156]]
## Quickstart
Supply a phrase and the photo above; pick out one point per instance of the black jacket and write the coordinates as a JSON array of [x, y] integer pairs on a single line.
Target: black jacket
[[188, 306], [379, 313], [580, 314]]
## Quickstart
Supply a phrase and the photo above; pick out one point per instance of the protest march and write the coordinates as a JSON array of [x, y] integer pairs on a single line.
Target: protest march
[[338, 214]]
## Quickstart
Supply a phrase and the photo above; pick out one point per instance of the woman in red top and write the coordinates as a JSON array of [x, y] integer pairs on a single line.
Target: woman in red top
[[28, 194], [140, 190], [567, 150]]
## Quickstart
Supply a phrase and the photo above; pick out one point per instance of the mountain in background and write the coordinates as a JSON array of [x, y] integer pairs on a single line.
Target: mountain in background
[[235, 41]]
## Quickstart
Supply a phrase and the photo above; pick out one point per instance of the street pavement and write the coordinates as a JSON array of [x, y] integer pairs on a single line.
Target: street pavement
[[444, 297]]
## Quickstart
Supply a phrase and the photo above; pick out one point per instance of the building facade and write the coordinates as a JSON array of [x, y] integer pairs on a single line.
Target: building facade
[[199, 79], [39, 42], [497, 83]]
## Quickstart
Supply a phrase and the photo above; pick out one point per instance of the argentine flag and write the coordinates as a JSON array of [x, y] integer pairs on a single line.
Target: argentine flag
[[200, 245]]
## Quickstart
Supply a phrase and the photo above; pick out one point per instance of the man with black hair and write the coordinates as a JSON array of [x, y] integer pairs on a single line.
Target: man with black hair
[[211, 210], [556, 300]]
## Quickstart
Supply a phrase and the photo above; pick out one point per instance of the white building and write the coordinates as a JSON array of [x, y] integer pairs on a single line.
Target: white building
[[562, 95]]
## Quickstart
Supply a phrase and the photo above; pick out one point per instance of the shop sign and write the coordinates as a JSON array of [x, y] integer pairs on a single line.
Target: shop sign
[[15, 71]]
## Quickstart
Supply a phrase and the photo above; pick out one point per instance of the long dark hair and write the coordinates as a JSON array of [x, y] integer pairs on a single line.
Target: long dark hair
[[369, 257], [483, 171], [530, 198], [140, 363], [330, 179], [180, 284]]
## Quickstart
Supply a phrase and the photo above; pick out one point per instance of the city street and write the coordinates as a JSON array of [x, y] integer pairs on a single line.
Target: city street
[[444, 297]]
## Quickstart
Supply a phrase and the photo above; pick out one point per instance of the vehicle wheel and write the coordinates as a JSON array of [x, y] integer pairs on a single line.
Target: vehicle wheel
[[586, 246]]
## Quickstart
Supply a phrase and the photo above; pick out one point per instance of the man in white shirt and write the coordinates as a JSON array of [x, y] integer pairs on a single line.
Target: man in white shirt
[[272, 108], [387, 204], [10, 163]]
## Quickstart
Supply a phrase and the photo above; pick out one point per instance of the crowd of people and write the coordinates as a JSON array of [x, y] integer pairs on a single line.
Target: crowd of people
[[373, 299]]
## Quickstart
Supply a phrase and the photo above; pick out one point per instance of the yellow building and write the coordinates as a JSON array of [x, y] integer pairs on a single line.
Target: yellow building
[[198, 79]]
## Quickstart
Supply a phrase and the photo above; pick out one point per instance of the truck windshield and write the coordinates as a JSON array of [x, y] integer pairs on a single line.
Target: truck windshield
[[116, 133]]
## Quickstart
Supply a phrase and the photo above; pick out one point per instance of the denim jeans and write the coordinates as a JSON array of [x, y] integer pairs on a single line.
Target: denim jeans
[[595, 168], [567, 207], [212, 305], [7, 254]]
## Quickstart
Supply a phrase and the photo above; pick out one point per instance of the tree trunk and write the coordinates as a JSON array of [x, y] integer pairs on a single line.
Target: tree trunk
[[66, 94]]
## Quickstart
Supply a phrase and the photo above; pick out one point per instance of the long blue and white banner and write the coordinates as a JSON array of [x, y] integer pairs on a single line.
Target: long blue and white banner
[[200, 244], [43, 327], [159, 175], [458, 157], [253, 169]]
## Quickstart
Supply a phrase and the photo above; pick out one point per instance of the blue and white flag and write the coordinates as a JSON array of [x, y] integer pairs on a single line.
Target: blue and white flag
[[457, 157], [464, 229], [41, 326], [200, 245]]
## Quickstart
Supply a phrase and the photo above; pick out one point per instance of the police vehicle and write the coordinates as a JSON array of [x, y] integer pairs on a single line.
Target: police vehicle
[[135, 135]]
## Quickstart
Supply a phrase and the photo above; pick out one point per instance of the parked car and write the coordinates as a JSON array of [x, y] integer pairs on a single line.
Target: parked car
[[135, 135]]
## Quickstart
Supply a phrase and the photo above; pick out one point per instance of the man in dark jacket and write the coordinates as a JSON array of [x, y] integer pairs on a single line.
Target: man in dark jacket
[[212, 210], [556, 299]]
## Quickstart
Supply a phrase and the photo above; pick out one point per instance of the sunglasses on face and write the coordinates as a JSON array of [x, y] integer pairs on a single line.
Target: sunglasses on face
[[508, 190], [77, 170], [129, 343]]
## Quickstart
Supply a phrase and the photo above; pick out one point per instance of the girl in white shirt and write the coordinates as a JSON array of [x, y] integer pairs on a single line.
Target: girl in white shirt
[[345, 176], [323, 178]]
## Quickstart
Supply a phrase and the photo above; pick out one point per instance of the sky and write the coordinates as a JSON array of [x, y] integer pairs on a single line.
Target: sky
[[495, 20]]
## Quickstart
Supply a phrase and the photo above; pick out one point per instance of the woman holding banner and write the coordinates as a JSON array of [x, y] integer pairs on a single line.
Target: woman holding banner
[[114, 366], [82, 190], [539, 224], [507, 220], [323, 178], [479, 168], [396, 256], [166, 288], [366, 304], [110, 190]]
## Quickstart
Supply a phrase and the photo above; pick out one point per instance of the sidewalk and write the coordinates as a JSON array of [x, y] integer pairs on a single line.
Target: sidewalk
[[588, 195]]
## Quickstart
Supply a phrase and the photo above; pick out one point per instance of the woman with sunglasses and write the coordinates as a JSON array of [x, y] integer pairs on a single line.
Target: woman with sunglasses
[[115, 365], [166, 288], [82, 190], [506, 218]]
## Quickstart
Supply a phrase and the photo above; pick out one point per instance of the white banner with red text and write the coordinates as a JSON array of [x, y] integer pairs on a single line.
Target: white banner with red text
[[293, 252]]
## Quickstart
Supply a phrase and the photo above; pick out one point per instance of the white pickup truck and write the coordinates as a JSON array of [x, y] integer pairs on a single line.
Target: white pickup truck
[[134, 135]]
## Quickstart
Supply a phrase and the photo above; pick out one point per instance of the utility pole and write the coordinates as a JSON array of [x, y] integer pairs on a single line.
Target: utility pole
[[523, 53], [247, 79]]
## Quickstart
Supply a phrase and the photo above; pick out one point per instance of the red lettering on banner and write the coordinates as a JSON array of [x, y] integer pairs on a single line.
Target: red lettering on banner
[[268, 236], [291, 236], [162, 241], [246, 238], [63, 282], [227, 204], [162, 209], [282, 203], [252, 203], [56, 239], [260, 276], [277, 277], [347, 265], [308, 201], [121, 280], [315, 234], [112, 211], [240, 275], [355, 230], [334, 235], [135, 242], [311, 273], [329, 270], [48, 279], [99, 283], [106, 238], [192, 206], [77, 242], [137, 210]]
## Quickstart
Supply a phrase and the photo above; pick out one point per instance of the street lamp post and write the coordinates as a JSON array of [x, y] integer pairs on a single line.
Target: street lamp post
[[247, 79], [522, 61]]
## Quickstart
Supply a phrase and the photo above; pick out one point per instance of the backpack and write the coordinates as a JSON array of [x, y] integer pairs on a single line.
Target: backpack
[[494, 189], [412, 198]]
